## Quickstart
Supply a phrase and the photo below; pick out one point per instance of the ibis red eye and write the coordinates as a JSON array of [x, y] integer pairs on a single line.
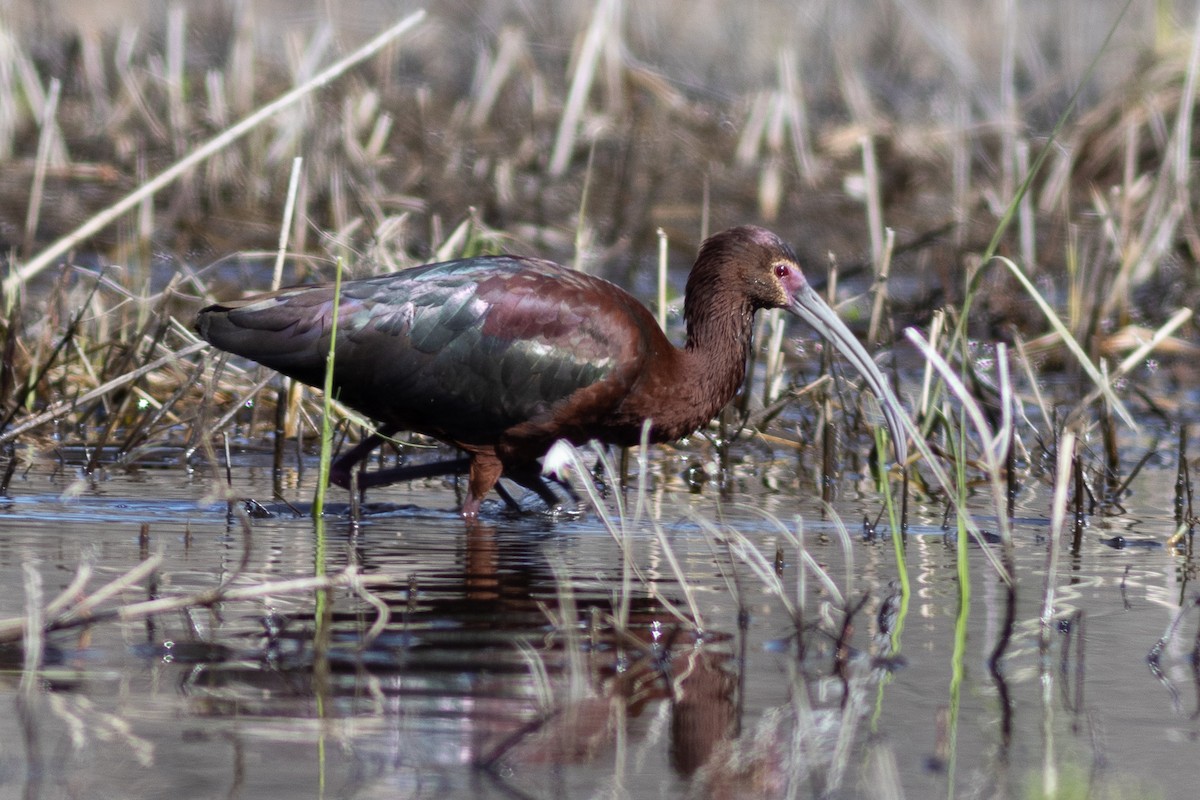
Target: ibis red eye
[[781, 270]]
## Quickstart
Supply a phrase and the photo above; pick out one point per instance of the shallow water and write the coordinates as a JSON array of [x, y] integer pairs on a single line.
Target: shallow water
[[498, 672]]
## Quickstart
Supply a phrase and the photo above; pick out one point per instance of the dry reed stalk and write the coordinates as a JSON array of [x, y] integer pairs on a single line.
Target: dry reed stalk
[[601, 39], [292, 389], [10, 113], [200, 432], [1137, 357], [1181, 159], [615, 68], [95, 75], [770, 176], [452, 245], [847, 546], [512, 52], [117, 417], [291, 124], [83, 608], [132, 81], [1129, 159], [358, 111], [285, 226], [242, 60], [245, 397], [583, 234], [1169, 202], [662, 279], [960, 167], [773, 374], [46, 357], [1026, 219], [1010, 114], [373, 150], [1077, 289], [1034, 384], [177, 112], [797, 116], [46, 137], [777, 117], [146, 428], [145, 218], [880, 289], [953, 51], [741, 402], [749, 145], [35, 95], [802, 560], [99, 221], [216, 106], [927, 399], [1085, 363], [882, 771], [874, 202], [855, 93]]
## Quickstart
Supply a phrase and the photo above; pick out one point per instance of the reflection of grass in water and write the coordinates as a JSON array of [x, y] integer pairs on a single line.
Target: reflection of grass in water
[[1078, 783], [809, 742]]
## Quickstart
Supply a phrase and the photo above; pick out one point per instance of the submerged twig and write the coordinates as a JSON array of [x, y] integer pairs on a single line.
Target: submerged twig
[[85, 611]]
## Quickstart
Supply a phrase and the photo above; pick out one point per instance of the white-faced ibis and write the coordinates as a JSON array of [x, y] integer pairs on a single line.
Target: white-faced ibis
[[501, 356]]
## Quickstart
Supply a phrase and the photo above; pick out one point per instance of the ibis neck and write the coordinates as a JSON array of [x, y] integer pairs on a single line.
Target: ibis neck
[[712, 365]]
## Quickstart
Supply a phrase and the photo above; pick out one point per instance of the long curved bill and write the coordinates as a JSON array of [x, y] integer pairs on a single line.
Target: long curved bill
[[808, 306]]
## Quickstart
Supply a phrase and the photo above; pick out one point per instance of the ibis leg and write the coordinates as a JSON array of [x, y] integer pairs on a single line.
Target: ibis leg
[[533, 481], [339, 471], [484, 471], [508, 499], [413, 472]]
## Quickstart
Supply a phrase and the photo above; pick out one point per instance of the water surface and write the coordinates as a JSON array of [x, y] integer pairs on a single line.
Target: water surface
[[504, 670]]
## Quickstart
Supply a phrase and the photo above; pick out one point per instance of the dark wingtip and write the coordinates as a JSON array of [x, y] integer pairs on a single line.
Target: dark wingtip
[[213, 325], [203, 321]]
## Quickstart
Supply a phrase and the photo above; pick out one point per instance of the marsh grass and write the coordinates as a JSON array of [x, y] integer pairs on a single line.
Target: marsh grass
[[327, 421], [395, 177]]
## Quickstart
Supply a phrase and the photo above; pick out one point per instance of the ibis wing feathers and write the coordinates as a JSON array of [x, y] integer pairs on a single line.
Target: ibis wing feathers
[[464, 350], [281, 329]]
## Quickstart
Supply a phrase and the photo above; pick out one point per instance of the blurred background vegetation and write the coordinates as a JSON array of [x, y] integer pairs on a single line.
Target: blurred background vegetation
[[686, 116]]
